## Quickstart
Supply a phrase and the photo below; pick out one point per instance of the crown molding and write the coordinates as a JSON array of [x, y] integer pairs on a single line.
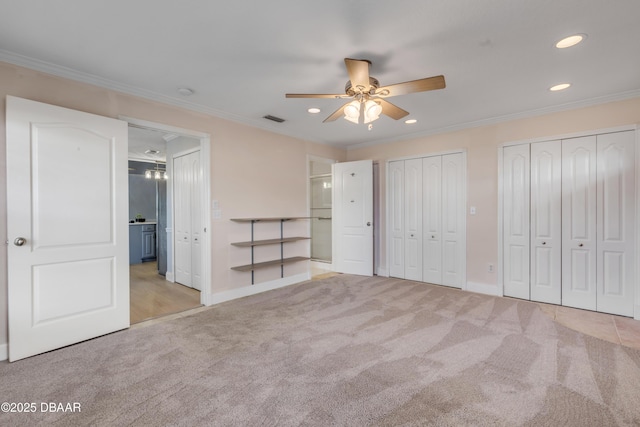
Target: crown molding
[[78, 76], [71, 74], [502, 119]]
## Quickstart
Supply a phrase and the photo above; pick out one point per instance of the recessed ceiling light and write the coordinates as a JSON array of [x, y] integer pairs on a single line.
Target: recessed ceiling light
[[570, 41], [410, 121], [185, 91], [313, 110], [561, 86]]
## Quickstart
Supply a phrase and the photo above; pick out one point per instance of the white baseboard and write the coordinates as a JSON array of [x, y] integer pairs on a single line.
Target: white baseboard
[[321, 265], [4, 352], [636, 312], [484, 288], [169, 277], [218, 297], [382, 272]]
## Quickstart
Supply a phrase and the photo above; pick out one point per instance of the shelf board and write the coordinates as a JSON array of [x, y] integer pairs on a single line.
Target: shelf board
[[273, 219], [269, 241], [250, 267]]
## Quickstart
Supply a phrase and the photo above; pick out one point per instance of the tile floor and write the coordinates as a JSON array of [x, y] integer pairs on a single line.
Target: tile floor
[[615, 329]]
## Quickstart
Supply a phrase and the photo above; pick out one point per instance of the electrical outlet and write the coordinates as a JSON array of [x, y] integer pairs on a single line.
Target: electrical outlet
[[490, 268]]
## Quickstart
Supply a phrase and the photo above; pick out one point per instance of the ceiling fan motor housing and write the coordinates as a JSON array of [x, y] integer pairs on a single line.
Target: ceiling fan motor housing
[[373, 85]]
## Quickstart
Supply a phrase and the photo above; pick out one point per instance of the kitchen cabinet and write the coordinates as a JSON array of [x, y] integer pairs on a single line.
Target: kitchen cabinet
[[142, 242]]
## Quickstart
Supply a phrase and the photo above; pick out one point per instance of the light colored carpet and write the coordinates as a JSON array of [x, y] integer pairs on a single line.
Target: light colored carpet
[[345, 350]]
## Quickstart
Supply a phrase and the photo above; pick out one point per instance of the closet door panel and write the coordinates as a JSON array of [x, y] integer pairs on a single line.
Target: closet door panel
[[413, 219], [546, 216], [432, 219], [615, 223], [453, 217], [193, 161], [516, 212], [182, 182], [396, 219], [579, 222]]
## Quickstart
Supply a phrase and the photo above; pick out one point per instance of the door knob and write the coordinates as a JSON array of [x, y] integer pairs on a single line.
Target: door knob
[[19, 241], [368, 224], [433, 237], [580, 245], [544, 243]]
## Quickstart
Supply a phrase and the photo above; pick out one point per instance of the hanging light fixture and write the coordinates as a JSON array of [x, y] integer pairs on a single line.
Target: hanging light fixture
[[352, 111], [372, 111], [156, 173], [369, 110]]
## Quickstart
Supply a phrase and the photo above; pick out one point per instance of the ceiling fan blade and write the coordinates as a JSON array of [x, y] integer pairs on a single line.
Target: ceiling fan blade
[[358, 70], [336, 114], [422, 85], [316, 95], [391, 110]]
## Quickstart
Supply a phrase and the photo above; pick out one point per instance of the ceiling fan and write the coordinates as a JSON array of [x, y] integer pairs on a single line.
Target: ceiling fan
[[368, 97]]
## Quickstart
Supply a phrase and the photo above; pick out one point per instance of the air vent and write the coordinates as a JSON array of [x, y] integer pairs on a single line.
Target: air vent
[[273, 118]]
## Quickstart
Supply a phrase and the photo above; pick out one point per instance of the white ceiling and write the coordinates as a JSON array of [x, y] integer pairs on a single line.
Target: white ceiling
[[143, 140], [241, 57]]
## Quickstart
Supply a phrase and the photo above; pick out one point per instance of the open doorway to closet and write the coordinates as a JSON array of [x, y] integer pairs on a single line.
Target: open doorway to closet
[[320, 211], [161, 269]]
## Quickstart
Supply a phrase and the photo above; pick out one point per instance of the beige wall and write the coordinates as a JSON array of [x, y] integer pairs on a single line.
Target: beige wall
[[259, 173], [253, 172], [482, 145]]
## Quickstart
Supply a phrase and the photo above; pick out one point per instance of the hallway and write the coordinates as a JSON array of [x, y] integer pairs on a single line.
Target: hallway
[[152, 296]]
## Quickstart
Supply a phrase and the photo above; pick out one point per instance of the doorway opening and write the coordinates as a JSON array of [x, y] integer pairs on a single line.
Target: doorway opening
[[320, 211], [155, 289]]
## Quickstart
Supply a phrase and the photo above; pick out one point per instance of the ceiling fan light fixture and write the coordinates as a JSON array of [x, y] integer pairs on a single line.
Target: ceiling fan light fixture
[[352, 111], [410, 121], [570, 41], [313, 110], [372, 111]]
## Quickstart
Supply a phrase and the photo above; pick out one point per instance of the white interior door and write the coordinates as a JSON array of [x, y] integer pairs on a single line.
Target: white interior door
[[413, 219], [546, 218], [187, 218], [615, 256], [432, 219], [353, 217], [396, 218], [67, 209], [453, 220], [579, 222], [516, 211]]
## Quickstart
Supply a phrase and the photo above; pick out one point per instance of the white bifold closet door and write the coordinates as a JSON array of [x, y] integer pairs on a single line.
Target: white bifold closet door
[[453, 220], [516, 207], [396, 219], [599, 223], [426, 219], [569, 222], [432, 210], [616, 223], [187, 219], [579, 222], [413, 219], [546, 230]]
